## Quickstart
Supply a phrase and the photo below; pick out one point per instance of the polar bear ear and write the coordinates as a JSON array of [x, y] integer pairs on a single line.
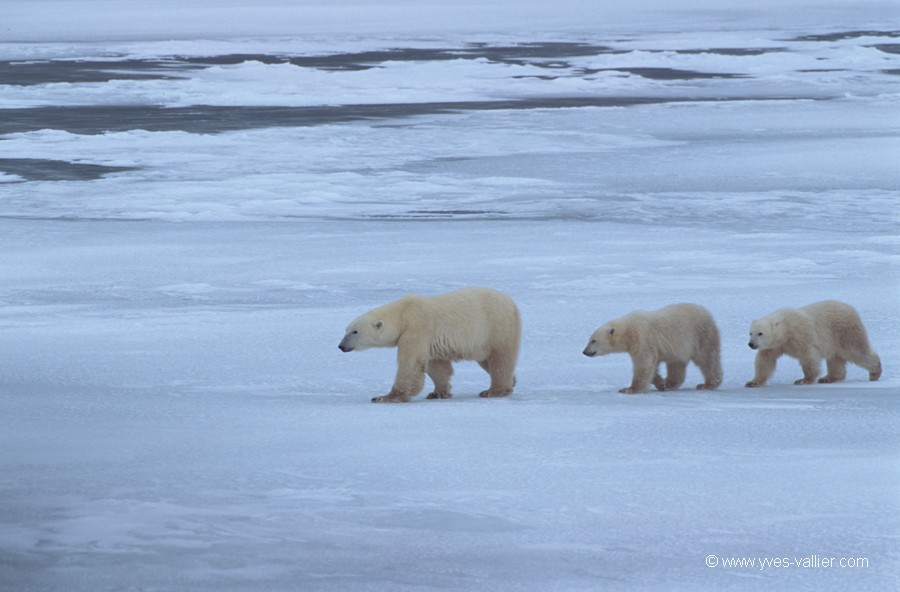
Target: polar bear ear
[[379, 324]]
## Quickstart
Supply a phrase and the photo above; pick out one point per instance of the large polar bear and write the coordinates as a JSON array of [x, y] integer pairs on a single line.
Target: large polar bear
[[478, 324], [676, 335], [827, 329]]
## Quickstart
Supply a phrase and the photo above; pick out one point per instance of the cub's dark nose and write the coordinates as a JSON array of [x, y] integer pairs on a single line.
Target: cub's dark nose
[[752, 346], [344, 348]]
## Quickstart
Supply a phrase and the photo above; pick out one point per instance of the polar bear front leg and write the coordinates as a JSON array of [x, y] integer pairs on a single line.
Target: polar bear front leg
[[642, 374], [410, 378], [440, 372], [765, 366], [810, 364], [394, 396], [837, 370], [675, 374]]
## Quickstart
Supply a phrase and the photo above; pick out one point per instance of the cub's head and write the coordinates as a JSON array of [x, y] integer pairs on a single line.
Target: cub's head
[[368, 331], [607, 339], [762, 334]]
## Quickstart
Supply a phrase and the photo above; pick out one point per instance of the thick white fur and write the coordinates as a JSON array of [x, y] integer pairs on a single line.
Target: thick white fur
[[676, 335], [827, 329], [477, 324]]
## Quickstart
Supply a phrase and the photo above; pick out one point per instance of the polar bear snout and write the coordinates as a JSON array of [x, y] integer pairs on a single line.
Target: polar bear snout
[[587, 351], [753, 345], [348, 343]]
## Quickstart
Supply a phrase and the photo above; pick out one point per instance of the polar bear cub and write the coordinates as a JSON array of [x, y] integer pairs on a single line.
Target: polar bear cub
[[430, 333], [676, 335], [827, 329]]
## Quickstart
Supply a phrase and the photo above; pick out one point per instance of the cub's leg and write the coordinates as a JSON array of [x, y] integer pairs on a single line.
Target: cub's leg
[[711, 367], [873, 365], [765, 366], [871, 362]]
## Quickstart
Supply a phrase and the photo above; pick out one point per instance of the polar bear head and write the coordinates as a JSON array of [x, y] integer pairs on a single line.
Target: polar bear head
[[369, 331], [607, 339], [764, 333]]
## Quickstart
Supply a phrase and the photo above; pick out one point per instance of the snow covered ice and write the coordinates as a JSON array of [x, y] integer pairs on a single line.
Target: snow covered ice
[[195, 201]]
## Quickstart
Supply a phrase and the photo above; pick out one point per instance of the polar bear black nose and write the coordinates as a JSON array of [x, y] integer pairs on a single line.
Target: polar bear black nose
[[752, 345], [344, 348]]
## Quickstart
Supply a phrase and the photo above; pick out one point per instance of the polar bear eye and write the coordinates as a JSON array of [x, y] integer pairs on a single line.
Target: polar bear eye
[[593, 341], [353, 332]]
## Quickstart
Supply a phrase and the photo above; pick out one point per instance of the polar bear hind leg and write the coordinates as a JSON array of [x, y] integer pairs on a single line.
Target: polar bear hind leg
[[873, 365], [870, 361], [501, 368], [711, 367]]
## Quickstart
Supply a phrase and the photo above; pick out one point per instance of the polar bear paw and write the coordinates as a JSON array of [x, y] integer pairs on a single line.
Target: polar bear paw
[[390, 398], [488, 394], [631, 391]]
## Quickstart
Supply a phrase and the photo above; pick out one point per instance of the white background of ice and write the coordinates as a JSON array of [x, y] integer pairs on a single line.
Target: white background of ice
[[175, 414]]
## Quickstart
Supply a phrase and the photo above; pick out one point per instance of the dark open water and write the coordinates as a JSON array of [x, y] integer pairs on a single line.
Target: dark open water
[[552, 57]]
